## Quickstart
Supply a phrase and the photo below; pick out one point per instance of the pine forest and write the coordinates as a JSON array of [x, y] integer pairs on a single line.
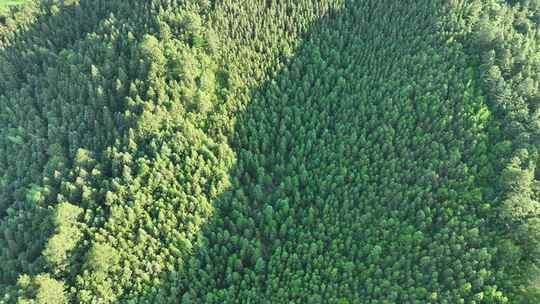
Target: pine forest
[[270, 151]]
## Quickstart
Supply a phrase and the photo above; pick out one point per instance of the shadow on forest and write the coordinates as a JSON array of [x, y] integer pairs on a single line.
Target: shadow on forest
[[232, 215], [244, 228], [295, 192], [296, 180], [301, 219]]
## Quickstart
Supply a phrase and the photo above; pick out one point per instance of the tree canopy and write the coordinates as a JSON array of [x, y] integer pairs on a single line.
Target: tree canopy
[[280, 151]]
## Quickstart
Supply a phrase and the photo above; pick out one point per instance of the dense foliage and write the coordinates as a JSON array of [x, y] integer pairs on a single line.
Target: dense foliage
[[7, 5], [336, 151]]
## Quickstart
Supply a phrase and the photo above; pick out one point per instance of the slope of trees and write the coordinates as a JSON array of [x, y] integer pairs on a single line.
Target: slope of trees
[[336, 151], [502, 40]]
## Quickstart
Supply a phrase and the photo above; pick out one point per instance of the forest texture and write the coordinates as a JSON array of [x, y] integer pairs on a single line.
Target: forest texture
[[280, 151], [6, 4]]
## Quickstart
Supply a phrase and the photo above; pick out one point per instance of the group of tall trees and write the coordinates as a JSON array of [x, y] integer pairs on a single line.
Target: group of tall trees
[[502, 40], [336, 151]]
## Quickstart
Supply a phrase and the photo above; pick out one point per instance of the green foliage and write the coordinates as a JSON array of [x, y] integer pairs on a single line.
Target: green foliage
[[6, 4], [67, 234], [101, 257], [41, 289], [336, 151]]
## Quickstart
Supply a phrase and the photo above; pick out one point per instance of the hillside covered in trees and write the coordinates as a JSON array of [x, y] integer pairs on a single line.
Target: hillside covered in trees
[[270, 151]]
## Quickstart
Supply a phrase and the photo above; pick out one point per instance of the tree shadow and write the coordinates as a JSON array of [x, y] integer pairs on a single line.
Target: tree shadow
[[335, 194], [349, 160]]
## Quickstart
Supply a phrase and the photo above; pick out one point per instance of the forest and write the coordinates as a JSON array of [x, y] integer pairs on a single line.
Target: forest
[[5, 5], [270, 151]]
